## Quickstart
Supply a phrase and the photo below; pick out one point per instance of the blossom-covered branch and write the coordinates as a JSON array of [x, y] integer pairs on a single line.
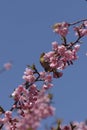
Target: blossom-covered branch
[[32, 101]]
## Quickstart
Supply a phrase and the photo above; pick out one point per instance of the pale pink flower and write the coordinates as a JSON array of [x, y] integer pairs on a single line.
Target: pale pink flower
[[47, 86], [76, 47], [28, 71], [18, 91], [61, 28], [48, 78], [85, 23], [8, 114], [80, 31], [8, 65], [83, 32], [29, 75], [42, 75], [53, 62], [29, 78], [54, 45], [48, 55], [53, 65], [69, 55], [61, 49], [61, 64]]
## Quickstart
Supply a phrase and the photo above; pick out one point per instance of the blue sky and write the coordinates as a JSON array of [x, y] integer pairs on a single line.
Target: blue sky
[[25, 32]]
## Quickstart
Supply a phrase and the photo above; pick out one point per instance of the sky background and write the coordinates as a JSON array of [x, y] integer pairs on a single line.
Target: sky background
[[25, 32]]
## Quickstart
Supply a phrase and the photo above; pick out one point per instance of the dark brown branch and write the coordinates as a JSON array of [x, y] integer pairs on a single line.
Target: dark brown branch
[[77, 22]]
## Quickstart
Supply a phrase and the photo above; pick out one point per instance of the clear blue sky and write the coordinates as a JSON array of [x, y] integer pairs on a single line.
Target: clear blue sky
[[25, 32]]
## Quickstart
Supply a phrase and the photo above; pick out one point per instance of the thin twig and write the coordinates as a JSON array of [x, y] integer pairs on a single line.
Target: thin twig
[[77, 22]]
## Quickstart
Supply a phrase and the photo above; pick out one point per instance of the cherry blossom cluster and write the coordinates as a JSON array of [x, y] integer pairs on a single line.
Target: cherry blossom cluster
[[32, 100], [81, 30], [62, 29], [32, 106], [31, 103], [63, 54]]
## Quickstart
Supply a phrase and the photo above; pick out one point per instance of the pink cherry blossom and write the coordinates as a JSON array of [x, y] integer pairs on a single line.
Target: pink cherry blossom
[[85, 23], [76, 47], [80, 31], [47, 86], [28, 71], [61, 28], [8, 65], [29, 75], [43, 75], [54, 46], [48, 78], [61, 49]]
